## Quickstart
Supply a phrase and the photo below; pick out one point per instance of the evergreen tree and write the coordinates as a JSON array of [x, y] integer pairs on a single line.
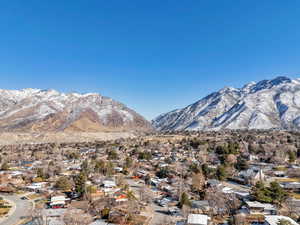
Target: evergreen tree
[[241, 164], [277, 193], [272, 194], [80, 181], [292, 156], [184, 200], [284, 222], [221, 173], [5, 166]]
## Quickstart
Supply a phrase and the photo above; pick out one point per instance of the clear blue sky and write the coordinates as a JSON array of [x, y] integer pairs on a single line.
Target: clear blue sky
[[155, 55]]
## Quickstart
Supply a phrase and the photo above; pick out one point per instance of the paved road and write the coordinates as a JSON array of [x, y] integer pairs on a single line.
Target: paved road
[[23, 209]]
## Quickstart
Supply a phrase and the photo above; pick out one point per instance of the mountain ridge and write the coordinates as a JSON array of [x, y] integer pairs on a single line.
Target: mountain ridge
[[49, 110], [267, 104]]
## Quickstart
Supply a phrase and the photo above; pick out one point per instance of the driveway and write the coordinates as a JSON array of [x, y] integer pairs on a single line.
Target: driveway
[[23, 209]]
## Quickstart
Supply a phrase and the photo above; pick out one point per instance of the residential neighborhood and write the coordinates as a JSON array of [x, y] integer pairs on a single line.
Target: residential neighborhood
[[178, 178]]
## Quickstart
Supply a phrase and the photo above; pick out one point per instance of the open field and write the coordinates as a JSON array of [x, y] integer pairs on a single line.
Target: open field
[[60, 137]]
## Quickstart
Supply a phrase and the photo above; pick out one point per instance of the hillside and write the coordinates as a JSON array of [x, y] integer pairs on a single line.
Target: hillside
[[268, 104]]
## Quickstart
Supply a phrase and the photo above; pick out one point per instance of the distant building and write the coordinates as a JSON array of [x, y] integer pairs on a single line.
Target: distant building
[[197, 219], [260, 208], [273, 220]]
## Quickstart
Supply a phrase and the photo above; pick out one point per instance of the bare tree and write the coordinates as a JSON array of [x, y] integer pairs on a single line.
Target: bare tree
[[198, 181], [221, 203], [240, 219], [77, 217]]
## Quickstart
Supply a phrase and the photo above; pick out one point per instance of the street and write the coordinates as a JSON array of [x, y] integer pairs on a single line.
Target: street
[[23, 209]]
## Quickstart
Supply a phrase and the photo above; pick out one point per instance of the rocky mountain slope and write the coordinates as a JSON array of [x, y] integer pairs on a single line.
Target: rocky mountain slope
[[268, 104], [31, 110]]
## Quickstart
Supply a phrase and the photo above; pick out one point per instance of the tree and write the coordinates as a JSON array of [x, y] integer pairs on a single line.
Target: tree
[[284, 222], [261, 193], [241, 164], [216, 201], [100, 167], [198, 181], [277, 193], [77, 217], [240, 219], [40, 173], [64, 184], [91, 189], [110, 168], [5, 166], [184, 200], [292, 156], [112, 155], [128, 162], [221, 173], [194, 168], [146, 195], [163, 172], [79, 181], [130, 195], [231, 159], [85, 166], [145, 155], [272, 194]]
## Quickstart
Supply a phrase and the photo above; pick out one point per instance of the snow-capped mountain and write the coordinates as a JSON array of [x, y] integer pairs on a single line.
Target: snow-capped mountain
[[50, 110], [268, 104]]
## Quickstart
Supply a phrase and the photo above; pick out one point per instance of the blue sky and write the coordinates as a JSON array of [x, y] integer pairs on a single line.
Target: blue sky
[[154, 56]]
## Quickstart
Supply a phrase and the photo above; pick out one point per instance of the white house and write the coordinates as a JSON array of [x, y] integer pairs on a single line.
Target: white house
[[197, 219], [58, 201], [273, 220], [260, 208]]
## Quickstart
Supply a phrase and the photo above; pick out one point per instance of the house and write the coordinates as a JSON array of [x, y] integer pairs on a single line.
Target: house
[[109, 184], [214, 183], [291, 186], [279, 173], [197, 219], [273, 220], [118, 169], [58, 201], [101, 222], [252, 175], [260, 208], [200, 205], [243, 195], [53, 216], [36, 187]]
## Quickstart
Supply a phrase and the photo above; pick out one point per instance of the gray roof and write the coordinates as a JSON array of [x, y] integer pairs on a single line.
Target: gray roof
[[101, 222], [200, 204]]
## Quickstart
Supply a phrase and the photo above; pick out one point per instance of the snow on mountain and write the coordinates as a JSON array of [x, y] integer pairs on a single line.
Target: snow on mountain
[[50, 110], [268, 104]]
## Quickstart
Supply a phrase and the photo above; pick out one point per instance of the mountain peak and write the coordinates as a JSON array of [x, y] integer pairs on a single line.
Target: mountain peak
[[267, 104], [280, 80], [49, 110], [267, 84]]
